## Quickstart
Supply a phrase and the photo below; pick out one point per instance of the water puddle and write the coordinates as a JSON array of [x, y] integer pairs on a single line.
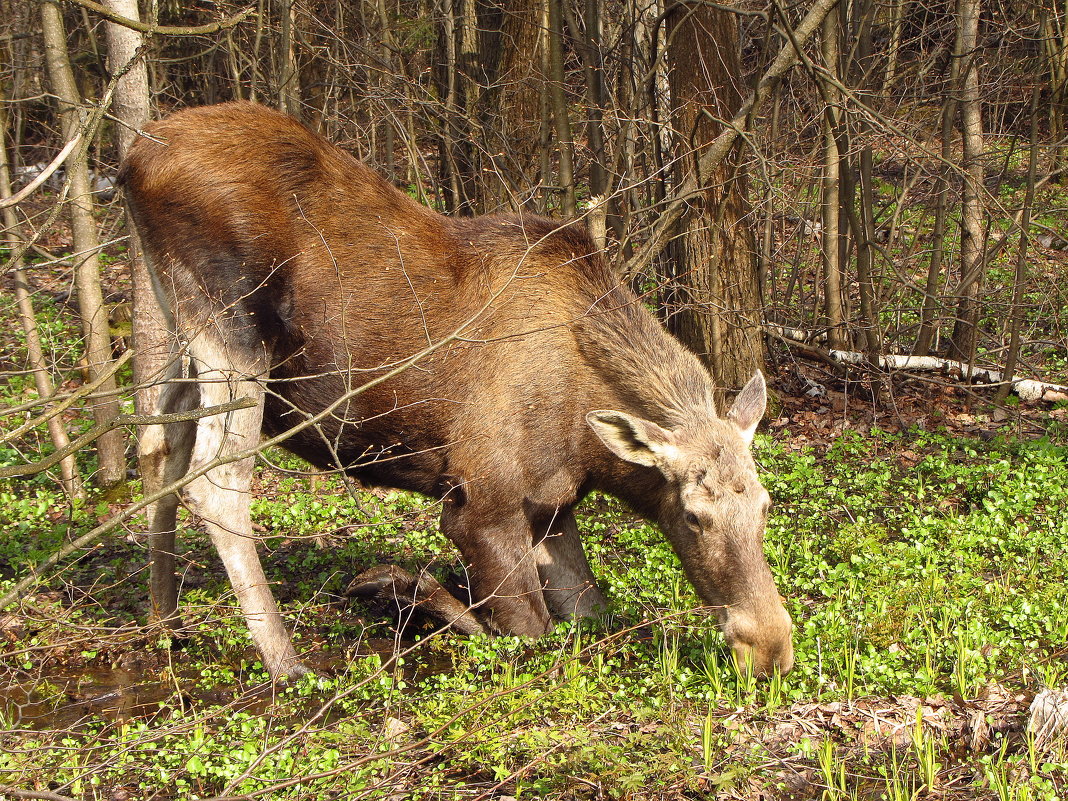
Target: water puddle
[[62, 700], [70, 696]]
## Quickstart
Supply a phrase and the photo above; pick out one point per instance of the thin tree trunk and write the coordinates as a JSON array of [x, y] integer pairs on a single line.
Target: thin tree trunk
[[897, 18], [450, 171], [256, 78], [769, 279], [289, 82], [831, 186], [1053, 33], [558, 99], [1016, 312], [388, 80], [132, 108], [587, 40], [545, 130], [35, 358], [110, 447], [862, 225], [973, 233], [925, 338]]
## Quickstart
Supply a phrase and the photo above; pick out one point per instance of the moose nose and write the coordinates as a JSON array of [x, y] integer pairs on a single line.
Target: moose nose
[[763, 644]]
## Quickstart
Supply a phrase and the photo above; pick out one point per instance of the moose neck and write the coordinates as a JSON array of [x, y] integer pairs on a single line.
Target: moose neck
[[644, 371]]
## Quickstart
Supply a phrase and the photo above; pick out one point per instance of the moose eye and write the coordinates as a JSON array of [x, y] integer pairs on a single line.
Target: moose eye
[[691, 520]]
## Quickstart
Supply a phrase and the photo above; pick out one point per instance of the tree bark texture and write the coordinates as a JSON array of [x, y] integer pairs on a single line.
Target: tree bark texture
[[718, 290], [973, 232], [512, 101], [110, 447]]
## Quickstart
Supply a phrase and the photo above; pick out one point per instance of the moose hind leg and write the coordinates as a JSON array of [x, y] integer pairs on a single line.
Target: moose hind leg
[[569, 586], [221, 496], [163, 453]]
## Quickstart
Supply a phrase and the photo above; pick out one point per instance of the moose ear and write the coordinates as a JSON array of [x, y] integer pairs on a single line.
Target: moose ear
[[633, 439], [748, 408]]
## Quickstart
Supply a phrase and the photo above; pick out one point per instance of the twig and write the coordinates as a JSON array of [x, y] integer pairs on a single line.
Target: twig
[[97, 431], [45, 174], [165, 30], [63, 405], [44, 795]]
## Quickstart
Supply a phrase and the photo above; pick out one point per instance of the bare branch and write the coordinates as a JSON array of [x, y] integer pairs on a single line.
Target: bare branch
[[679, 206], [44, 175], [165, 30]]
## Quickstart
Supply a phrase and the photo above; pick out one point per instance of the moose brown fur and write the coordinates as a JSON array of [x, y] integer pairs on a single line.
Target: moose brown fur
[[294, 276]]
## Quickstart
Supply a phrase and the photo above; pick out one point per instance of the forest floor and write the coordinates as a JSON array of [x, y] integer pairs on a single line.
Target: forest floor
[[920, 541]]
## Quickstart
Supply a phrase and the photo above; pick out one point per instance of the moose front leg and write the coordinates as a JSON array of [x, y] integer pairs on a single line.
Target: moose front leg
[[570, 588], [505, 583]]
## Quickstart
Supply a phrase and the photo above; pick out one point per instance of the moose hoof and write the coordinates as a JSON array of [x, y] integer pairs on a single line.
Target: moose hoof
[[380, 582], [424, 593]]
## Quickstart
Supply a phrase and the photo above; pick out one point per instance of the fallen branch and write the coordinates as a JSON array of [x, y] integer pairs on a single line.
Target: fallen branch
[[1026, 389], [43, 795]]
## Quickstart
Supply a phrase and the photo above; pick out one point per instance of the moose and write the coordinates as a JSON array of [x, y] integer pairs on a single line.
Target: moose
[[494, 363]]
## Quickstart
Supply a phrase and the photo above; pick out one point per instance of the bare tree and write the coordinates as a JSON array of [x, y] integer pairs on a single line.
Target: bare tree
[[35, 356], [110, 447], [973, 226], [719, 313]]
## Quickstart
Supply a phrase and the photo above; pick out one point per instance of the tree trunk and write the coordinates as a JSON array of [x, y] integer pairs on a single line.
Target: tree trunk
[[511, 112], [586, 37], [561, 120], [456, 143], [1016, 312], [35, 358], [831, 192], [929, 327], [110, 447], [289, 78], [897, 16], [131, 108], [713, 263], [973, 234], [1053, 33]]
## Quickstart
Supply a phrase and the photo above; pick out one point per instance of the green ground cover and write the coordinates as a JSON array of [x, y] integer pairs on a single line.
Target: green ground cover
[[925, 573]]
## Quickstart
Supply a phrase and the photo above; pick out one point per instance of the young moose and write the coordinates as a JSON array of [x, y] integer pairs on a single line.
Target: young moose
[[294, 276]]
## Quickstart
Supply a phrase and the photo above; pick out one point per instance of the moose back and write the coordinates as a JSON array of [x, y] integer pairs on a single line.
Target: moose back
[[495, 363]]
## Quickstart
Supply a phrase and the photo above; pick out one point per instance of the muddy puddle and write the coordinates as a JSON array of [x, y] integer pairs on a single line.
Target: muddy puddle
[[67, 697]]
